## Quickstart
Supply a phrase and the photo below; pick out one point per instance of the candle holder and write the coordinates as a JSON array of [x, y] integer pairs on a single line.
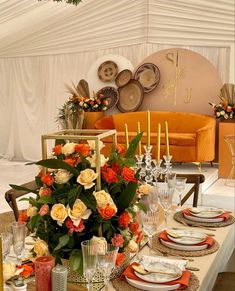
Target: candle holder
[[148, 164], [157, 170], [168, 163], [139, 164]]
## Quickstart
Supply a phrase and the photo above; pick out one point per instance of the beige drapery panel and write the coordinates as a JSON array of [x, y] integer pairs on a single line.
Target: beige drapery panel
[[41, 52]]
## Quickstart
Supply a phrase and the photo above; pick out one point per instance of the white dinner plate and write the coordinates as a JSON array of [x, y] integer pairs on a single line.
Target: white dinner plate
[[206, 212], [199, 219], [161, 278], [176, 246], [151, 286], [188, 237]]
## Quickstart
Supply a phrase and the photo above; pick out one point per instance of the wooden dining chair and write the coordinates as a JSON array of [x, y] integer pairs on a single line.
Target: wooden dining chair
[[12, 194], [196, 180]]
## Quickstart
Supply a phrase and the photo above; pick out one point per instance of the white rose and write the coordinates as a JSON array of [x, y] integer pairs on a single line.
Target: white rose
[[102, 198], [68, 148], [92, 160], [31, 211], [41, 248], [62, 176], [218, 114], [86, 178], [79, 212], [10, 270], [132, 246], [222, 112], [91, 144], [226, 116]]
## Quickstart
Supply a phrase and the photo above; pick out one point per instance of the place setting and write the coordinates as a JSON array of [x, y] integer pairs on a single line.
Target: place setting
[[204, 216], [157, 273]]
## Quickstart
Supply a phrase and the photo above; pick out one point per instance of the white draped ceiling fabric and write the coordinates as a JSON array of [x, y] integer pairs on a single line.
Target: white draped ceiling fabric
[[46, 44]]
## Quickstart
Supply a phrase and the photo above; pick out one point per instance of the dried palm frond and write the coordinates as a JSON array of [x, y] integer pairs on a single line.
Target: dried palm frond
[[227, 94]]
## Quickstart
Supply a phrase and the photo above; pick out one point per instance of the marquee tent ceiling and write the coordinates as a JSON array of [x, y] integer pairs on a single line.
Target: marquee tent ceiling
[[29, 27]]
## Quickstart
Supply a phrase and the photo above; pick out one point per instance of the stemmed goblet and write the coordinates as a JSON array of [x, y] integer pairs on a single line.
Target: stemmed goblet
[[171, 180], [18, 230], [165, 197], [106, 262], [89, 255], [153, 198], [180, 186], [6, 243], [149, 224]]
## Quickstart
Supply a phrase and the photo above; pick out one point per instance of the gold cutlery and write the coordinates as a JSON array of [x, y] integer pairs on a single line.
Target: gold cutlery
[[175, 235], [181, 228], [141, 270], [176, 257], [198, 225]]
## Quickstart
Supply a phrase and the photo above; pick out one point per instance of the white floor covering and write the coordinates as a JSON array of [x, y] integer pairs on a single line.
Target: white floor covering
[[213, 191]]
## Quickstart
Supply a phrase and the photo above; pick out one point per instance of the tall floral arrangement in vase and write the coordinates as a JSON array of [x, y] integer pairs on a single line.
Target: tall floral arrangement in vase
[[69, 208]]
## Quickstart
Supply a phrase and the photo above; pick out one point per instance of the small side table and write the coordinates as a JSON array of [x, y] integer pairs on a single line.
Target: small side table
[[225, 161]]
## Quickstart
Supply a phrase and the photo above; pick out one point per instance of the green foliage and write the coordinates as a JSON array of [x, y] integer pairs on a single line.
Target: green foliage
[[126, 197], [133, 145], [75, 260], [21, 188], [57, 164]]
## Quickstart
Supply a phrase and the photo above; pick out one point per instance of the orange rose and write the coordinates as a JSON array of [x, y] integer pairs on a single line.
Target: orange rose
[[128, 174], [134, 227], [124, 219], [110, 176], [82, 149], [23, 217], [120, 259], [57, 150], [27, 270], [47, 179], [70, 161], [139, 237], [108, 212]]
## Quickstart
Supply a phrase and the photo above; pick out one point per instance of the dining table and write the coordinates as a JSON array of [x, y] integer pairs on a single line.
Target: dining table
[[208, 265]]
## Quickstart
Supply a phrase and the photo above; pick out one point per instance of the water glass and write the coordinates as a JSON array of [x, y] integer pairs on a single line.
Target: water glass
[[89, 255], [18, 230], [6, 243], [153, 198], [180, 186], [106, 262], [149, 223], [165, 197], [171, 180]]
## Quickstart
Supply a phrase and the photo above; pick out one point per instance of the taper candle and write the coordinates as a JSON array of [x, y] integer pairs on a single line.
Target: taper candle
[[148, 128], [167, 140], [1, 266], [158, 142], [127, 136], [139, 146]]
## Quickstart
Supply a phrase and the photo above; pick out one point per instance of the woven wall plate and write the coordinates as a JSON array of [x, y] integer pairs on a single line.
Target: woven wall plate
[[148, 75], [178, 216], [130, 96], [123, 78], [107, 71], [111, 94]]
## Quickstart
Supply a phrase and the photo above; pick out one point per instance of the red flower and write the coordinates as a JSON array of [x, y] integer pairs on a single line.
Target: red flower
[[70, 161], [106, 102], [110, 176], [120, 258], [120, 149], [23, 217], [27, 270], [69, 224], [117, 240], [115, 167], [45, 192], [134, 226], [107, 212], [128, 174], [139, 237], [44, 210], [82, 149], [98, 101], [47, 179], [57, 150], [124, 219]]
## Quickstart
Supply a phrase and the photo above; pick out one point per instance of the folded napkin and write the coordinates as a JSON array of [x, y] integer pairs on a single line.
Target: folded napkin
[[183, 280], [224, 215], [209, 240]]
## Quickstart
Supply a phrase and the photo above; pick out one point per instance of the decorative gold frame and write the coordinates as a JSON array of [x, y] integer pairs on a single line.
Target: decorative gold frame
[[81, 134]]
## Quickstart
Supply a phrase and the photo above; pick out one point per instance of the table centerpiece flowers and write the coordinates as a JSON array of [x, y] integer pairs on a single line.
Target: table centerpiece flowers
[[68, 207]]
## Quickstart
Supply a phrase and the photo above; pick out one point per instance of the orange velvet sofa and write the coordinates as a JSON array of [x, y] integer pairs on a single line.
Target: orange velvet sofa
[[191, 135]]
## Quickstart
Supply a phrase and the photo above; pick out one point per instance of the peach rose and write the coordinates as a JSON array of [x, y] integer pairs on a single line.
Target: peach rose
[[44, 210], [79, 212], [68, 148], [86, 178], [102, 198], [41, 248], [31, 211], [92, 160], [59, 213]]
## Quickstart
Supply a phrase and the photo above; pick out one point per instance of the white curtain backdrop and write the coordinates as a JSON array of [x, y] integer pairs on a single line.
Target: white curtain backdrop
[[44, 45]]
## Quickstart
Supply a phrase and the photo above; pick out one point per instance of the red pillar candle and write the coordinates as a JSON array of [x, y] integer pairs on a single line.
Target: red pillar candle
[[43, 267]]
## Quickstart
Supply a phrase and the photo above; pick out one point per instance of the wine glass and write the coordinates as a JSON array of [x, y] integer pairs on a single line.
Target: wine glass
[[165, 197], [153, 198], [6, 243], [149, 224], [18, 231], [106, 262], [180, 186], [89, 255], [171, 180]]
